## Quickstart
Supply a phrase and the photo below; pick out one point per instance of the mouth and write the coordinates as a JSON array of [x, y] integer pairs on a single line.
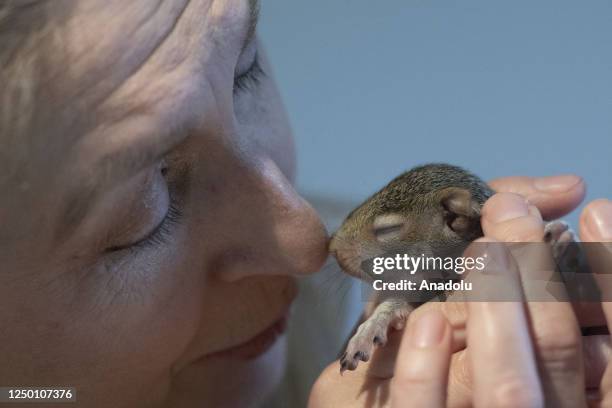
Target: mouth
[[255, 346], [346, 257]]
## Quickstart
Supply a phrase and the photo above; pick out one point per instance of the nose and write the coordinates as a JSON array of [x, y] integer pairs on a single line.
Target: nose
[[280, 233], [332, 246], [347, 253]]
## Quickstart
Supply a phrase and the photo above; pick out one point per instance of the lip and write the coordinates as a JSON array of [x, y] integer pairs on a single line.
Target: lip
[[255, 346]]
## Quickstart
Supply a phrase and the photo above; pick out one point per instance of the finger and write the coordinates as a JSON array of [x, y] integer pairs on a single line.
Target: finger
[[502, 360], [421, 371], [460, 382], [556, 335], [459, 394], [596, 221], [455, 314], [554, 196], [559, 349], [509, 217], [596, 227], [597, 352], [588, 314], [596, 231]]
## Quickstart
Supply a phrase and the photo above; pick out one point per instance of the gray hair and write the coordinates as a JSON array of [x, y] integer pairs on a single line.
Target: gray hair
[[24, 27]]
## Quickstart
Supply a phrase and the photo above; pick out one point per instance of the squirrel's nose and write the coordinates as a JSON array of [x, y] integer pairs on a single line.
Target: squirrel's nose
[[331, 245], [346, 254]]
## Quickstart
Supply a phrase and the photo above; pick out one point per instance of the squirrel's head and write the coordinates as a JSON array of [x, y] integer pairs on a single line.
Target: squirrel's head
[[428, 207]]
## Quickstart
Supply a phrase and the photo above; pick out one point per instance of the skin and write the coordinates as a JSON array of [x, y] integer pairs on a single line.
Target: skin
[[135, 327], [87, 303], [527, 354]]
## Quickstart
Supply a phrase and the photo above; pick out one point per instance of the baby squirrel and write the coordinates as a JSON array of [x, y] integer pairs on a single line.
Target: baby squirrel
[[435, 205]]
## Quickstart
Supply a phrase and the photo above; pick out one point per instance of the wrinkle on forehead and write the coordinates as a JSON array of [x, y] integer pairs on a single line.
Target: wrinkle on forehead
[[108, 42], [161, 34], [188, 49]]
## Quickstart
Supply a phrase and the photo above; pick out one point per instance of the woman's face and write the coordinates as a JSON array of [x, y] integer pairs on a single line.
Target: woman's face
[[150, 228]]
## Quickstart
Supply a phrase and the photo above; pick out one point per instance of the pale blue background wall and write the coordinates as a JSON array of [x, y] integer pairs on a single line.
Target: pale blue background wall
[[375, 87]]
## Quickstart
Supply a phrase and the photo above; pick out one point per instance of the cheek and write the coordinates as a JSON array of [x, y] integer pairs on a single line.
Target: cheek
[[159, 305], [137, 330], [116, 346]]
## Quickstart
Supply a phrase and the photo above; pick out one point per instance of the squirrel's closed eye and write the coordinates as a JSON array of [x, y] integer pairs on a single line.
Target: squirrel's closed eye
[[388, 227]]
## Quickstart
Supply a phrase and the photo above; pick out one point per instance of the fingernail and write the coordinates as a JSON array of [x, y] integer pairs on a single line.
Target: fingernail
[[599, 219], [510, 207], [428, 330], [556, 184]]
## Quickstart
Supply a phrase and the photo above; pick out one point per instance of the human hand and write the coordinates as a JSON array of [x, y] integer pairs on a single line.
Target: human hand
[[596, 226], [554, 196]]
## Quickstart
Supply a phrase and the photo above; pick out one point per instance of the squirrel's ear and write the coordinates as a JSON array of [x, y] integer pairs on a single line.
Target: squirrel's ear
[[461, 212]]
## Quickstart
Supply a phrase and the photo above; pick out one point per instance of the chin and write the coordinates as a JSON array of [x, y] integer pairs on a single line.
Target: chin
[[265, 375], [249, 383], [230, 383]]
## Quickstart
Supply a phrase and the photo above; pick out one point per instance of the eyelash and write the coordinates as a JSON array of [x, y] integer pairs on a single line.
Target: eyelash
[[159, 236], [251, 78]]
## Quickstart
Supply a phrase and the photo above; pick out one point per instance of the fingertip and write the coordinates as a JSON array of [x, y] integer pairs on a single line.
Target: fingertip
[[509, 217], [505, 206], [557, 184], [596, 221], [421, 371], [554, 196], [429, 329], [526, 186], [554, 205]]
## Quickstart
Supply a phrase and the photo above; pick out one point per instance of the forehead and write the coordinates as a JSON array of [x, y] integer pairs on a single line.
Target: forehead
[[145, 71]]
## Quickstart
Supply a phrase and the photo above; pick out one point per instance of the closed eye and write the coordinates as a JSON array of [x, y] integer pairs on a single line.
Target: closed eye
[[159, 235], [388, 226], [388, 229], [250, 78]]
